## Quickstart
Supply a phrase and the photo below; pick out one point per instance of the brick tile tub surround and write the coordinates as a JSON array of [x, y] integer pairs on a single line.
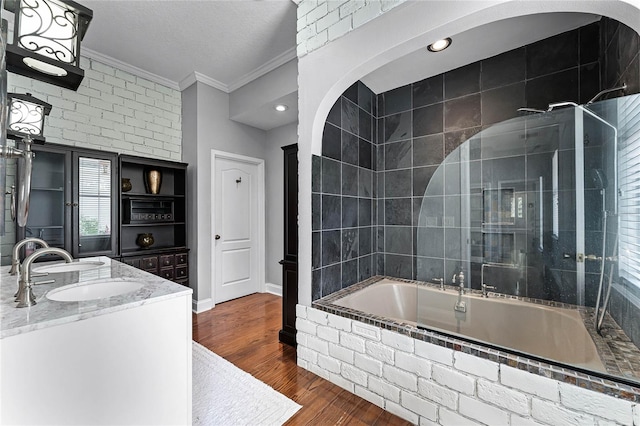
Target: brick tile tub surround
[[429, 378]]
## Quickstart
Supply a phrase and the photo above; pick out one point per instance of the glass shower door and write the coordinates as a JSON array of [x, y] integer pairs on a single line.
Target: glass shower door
[[596, 149]]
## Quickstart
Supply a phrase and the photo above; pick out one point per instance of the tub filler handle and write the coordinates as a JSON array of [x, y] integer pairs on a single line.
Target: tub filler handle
[[439, 281], [487, 287]]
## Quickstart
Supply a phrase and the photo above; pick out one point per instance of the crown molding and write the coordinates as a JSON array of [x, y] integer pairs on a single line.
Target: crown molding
[[187, 81], [201, 78], [272, 64], [108, 60]]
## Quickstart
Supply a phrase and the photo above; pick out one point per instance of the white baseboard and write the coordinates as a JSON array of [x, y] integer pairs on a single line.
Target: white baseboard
[[199, 306], [273, 289]]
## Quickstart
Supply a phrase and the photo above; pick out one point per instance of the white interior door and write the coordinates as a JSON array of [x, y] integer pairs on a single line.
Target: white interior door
[[237, 195]]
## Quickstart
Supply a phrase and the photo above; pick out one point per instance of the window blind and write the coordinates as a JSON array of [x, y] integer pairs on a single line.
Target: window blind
[[95, 196], [629, 185]]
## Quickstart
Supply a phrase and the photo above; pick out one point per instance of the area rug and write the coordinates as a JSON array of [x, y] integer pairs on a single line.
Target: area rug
[[225, 395]]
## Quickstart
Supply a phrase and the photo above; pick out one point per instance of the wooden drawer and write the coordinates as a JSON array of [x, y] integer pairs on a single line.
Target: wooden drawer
[[170, 266], [166, 260], [149, 264], [182, 259], [182, 272], [167, 273]]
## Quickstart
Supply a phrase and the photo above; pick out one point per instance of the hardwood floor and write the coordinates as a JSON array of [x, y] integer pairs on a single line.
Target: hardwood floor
[[245, 332]]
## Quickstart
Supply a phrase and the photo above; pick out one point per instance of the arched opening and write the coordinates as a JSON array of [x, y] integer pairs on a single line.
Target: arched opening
[[420, 124]]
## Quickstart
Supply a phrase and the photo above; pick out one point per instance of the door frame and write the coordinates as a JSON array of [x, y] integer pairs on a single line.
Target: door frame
[[215, 155]]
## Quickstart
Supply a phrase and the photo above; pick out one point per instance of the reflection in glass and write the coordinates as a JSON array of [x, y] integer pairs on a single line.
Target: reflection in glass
[[543, 208], [47, 217], [94, 204]]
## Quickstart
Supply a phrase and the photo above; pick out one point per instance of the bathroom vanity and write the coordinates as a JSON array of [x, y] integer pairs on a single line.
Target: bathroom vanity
[[97, 359]]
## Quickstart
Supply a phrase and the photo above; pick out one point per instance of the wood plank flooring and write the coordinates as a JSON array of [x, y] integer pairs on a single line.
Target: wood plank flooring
[[245, 332]]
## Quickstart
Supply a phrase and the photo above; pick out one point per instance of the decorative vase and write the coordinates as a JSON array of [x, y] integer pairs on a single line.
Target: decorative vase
[[145, 240], [126, 185], [153, 180]]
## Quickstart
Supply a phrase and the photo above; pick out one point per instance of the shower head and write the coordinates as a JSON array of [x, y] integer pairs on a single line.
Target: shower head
[[599, 178]]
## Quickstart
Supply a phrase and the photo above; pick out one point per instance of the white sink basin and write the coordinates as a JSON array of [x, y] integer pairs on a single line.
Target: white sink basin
[[68, 267], [92, 290]]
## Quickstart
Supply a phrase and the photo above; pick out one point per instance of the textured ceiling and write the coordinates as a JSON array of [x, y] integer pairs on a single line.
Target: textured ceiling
[[227, 42]]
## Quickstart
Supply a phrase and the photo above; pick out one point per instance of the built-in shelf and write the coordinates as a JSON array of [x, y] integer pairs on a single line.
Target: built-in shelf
[[143, 225], [45, 226], [150, 196], [48, 189], [137, 251], [142, 212]]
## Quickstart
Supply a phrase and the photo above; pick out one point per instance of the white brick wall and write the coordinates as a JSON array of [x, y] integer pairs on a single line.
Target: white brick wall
[[428, 384], [102, 114], [112, 110], [321, 21]]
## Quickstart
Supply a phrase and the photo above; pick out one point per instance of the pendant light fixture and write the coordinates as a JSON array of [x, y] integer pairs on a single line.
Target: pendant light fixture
[[46, 40], [26, 115], [26, 123]]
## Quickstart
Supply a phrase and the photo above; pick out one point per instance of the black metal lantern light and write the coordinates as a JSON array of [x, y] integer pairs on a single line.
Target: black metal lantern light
[[46, 40], [25, 121], [26, 115]]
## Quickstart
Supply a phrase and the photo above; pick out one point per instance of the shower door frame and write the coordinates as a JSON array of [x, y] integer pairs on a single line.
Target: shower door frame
[[580, 205]]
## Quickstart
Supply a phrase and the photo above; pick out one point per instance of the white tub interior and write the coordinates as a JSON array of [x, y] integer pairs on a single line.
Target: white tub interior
[[548, 332]]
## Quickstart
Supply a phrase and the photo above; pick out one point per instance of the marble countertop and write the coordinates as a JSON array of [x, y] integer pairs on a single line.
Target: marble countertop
[[48, 313]]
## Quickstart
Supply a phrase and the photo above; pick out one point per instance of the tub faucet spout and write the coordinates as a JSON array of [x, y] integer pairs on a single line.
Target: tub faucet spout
[[459, 280]]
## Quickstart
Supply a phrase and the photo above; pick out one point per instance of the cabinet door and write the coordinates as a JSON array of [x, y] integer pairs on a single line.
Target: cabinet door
[[94, 213], [50, 200]]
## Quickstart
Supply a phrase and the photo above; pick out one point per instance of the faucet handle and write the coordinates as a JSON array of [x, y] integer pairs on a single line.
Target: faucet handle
[[15, 267]]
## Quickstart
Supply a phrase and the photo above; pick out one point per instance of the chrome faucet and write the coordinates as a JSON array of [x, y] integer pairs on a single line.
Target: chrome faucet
[[459, 279], [25, 295], [15, 255], [485, 288], [439, 281]]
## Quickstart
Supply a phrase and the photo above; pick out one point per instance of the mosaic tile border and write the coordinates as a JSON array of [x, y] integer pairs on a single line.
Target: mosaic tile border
[[562, 374]]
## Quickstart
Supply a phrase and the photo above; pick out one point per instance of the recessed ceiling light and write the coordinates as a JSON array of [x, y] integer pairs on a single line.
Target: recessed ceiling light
[[439, 45], [281, 108]]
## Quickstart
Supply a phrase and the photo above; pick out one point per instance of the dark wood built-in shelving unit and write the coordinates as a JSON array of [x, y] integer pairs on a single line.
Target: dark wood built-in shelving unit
[[163, 215], [77, 203]]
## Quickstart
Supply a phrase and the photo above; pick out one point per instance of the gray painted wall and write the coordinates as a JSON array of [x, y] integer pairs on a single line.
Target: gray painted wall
[[274, 194], [213, 131], [190, 155], [207, 127]]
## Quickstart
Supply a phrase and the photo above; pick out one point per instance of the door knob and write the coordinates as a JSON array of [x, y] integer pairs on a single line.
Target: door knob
[[217, 237]]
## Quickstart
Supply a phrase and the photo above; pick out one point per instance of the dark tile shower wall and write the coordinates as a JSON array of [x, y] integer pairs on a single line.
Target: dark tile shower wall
[[343, 194], [421, 123], [363, 227], [620, 47]]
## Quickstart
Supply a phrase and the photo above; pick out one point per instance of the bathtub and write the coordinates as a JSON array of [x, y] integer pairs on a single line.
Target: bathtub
[[552, 333]]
